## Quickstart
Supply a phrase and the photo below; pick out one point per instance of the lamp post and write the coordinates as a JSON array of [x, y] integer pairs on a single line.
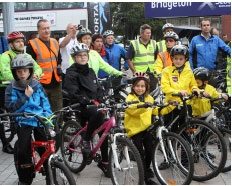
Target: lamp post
[[8, 17]]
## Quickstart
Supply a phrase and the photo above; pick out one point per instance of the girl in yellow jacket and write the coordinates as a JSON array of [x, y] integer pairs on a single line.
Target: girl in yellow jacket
[[202, 106], [138, 120]]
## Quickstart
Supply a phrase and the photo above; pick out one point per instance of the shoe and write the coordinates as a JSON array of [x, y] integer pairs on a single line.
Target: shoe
[[86, 148], [150, 173], [8, 149], [150, 182], [164, 165], [104, 168]]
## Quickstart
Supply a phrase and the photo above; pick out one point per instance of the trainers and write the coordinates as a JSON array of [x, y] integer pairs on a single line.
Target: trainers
[[86, 147], [150, 182], [164, 165], [8, 149], [104, 168], [150, 173]]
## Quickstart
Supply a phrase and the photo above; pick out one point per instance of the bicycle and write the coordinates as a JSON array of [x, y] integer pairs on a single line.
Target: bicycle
[[125, 164], [209, 160], [173, 149], [57, 171]]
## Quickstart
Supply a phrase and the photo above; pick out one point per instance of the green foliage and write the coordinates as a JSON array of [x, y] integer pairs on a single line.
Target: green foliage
[[127, 17]]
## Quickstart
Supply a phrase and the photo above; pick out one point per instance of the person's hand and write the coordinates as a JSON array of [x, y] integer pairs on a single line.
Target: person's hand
[[35, 77], [28, 91], [196, 92], [184, 93], [225, 97], [206, 94]]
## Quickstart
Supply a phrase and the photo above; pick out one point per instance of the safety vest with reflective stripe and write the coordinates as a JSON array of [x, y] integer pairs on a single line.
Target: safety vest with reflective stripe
[[163, 60], [46, 59], [144, 57], [228, 77], [162, 46]]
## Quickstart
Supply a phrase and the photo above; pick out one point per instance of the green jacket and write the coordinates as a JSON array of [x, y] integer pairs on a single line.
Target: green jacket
[[96, 62], [5, 71]]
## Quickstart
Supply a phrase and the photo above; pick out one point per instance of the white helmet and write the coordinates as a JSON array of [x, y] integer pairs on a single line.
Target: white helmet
[[167, 25], [108, 33], [80, 47], [172, 35]]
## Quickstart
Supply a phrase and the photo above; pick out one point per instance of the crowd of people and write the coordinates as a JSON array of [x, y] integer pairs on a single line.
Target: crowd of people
[[78, 59]]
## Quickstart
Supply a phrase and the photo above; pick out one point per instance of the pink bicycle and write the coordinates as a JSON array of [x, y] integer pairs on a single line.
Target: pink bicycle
[[125, 164]]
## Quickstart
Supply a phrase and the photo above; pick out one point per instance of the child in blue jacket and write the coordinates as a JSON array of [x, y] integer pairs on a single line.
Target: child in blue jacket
[[26, 95]]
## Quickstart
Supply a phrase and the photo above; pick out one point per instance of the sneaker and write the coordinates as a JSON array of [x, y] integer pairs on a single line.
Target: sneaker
[[164, 165], [8, 149], [150, 173], [150, 182], [86, 148], [104, 168]]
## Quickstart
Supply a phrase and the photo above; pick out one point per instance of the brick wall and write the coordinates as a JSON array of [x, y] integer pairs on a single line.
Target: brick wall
[[226, 25]]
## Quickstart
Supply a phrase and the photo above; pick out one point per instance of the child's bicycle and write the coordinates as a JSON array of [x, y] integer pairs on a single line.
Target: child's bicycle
[[217, 118], [125, 164], [209, 160], [172, 149], [58, 173]]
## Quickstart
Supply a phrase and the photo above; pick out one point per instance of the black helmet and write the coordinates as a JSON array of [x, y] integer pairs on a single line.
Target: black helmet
[[22, 61], [167, 25], [82, 32], [202, 73], [140, 76], [172, 35], [81, 47], [180, 49]]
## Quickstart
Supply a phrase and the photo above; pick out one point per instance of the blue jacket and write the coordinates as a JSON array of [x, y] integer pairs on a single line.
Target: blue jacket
[[115, 53], [16, 101], [204, 52]]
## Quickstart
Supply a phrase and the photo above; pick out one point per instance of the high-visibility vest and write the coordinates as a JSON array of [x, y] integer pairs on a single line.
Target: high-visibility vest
[[162, 46], [228, 77], [46, 59], [144, 57], [166, 58]]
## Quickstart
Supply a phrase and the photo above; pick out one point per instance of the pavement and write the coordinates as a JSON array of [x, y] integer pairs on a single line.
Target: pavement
[[91, 175]]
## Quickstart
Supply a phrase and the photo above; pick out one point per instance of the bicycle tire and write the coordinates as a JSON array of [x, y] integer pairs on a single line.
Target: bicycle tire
[[180, 166], [227, 136], [198, 136], [10, 129], [134, 156], [71, 157], [63, 173], [16, 156]]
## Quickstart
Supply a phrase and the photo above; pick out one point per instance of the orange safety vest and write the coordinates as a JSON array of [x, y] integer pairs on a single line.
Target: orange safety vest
[[46, 59], [166, 58]]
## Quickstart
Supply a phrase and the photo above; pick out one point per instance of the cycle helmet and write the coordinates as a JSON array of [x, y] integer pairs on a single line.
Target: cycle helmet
[[81, 47], [172, 35], [167, 25], [108, 33], [82, 32], [15, 35], [140, 76], [202, 73], [180, 49], [22, 61]]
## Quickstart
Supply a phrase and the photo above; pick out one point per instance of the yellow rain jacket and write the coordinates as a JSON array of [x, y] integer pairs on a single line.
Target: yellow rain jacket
[[138, 120], [201, 106]]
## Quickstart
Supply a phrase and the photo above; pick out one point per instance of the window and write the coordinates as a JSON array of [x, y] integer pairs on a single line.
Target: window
[[62, 5], [20, 6], [39, 6]]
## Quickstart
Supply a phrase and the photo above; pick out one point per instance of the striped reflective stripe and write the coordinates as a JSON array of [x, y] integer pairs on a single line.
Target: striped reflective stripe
[[48, 69], [164, 62], [38, 48], [137, 48], [154, 45], [143, 63], [143, 55], [54, 42], [53, 58]]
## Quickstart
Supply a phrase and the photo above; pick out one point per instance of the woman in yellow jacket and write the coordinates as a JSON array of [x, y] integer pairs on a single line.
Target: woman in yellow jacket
[[202, 106], [138, 120]]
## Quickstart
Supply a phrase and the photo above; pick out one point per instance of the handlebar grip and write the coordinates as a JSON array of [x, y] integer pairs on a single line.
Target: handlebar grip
[[132, 102], [177, 95]]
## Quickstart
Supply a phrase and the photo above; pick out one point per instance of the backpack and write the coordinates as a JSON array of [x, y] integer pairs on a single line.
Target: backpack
[[3, 44]]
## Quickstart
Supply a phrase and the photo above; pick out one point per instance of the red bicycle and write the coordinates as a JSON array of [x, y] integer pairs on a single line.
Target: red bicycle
[[58, 172]]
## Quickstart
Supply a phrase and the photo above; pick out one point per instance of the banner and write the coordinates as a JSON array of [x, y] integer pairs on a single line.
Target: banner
[[99, 17], [178, 9]]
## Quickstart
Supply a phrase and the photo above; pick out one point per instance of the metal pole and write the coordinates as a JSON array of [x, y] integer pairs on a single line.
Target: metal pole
[[8, 17]]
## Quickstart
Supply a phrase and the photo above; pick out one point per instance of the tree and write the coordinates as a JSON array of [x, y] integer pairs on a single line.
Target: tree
[[127, 17]]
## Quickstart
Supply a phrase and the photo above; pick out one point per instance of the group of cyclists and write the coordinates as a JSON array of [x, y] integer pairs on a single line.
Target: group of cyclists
[[93, 56]]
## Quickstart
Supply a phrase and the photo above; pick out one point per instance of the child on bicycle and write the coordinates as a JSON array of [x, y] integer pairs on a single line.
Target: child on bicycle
[[138, 120], [25, 94], [82, 86], [202, 106], [177, 78]]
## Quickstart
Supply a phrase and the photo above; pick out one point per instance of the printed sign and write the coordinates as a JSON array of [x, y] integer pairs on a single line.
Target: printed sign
[[178, 9]]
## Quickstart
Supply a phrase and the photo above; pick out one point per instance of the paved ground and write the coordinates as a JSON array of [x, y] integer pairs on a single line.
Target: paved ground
[[91, 175]]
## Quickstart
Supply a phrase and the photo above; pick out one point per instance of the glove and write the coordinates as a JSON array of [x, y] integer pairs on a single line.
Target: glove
[[84, 101], [59, 71]]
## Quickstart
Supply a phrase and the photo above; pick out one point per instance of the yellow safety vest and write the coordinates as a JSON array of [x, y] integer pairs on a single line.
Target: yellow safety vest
[[144, 57]]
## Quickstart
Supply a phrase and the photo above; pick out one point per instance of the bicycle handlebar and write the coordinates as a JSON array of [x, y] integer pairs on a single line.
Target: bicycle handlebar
[[117, 105]]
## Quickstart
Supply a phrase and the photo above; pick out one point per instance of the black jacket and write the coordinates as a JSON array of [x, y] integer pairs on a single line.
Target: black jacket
[[82, 85]]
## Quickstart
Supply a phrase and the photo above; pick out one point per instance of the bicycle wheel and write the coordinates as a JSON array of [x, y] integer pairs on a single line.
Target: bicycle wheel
[[179, 170], [10, 128], [227, 137], [208, 149], [131, 172], [73, 157], [61, 175]]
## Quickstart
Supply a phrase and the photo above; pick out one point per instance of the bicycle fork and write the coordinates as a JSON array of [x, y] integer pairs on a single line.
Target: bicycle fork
[[52, 158]]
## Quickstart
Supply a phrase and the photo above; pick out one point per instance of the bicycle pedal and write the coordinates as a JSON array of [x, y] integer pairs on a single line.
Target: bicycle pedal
[[97, 158]]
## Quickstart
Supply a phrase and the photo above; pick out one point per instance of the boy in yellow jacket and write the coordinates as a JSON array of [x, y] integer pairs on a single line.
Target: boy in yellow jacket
[[202, 106]]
